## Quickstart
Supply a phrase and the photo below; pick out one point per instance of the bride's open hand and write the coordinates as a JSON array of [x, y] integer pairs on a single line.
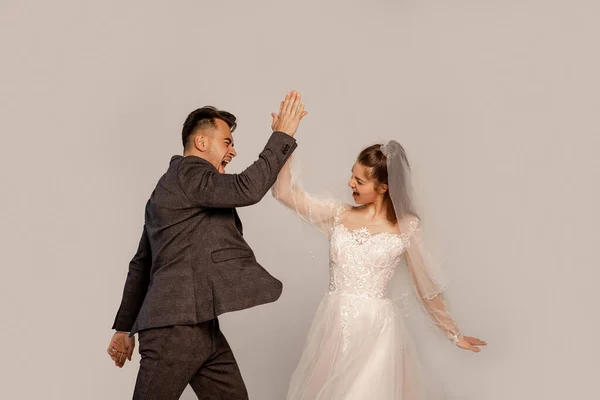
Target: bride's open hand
[[471, 343]]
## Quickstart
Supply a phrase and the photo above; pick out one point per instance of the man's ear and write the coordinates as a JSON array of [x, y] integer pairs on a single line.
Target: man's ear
[[201, 142]]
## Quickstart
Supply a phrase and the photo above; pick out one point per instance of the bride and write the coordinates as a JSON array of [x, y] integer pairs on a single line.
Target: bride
[[358, 346]]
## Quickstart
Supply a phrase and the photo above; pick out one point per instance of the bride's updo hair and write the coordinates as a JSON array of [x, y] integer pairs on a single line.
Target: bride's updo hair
[[372, 157]]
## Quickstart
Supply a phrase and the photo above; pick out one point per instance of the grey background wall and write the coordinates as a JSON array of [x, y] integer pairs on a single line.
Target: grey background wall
[[495, 101]]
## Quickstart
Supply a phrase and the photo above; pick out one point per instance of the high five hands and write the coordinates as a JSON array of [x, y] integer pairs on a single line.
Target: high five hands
[[291, 112]]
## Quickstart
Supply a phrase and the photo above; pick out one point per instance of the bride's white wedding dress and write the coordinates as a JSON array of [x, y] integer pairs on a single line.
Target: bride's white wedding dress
[[358, 347]]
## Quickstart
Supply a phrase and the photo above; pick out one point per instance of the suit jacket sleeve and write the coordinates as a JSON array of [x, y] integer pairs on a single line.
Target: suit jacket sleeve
[[204, 186], [136, 286]]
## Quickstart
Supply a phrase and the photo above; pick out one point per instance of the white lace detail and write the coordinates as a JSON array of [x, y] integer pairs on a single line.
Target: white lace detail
[[361, 265], [320, 210], [349, 313], [386, 149], [413, 226]]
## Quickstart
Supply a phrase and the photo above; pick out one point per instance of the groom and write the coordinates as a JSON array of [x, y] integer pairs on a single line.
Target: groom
[[193, 263]]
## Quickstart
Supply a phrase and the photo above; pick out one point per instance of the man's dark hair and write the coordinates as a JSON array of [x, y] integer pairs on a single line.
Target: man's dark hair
[[205, 118]]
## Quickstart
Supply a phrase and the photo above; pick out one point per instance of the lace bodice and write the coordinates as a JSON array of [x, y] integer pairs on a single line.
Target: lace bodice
[[362, 263]]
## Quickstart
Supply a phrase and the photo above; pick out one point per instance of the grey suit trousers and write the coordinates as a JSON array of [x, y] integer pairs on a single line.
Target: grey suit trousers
[[198, 355]]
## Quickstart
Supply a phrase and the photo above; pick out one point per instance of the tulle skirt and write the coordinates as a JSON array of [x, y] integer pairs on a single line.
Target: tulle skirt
[[358, 349]]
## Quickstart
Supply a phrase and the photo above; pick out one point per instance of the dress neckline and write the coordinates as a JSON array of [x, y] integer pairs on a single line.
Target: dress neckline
[[365, 230]]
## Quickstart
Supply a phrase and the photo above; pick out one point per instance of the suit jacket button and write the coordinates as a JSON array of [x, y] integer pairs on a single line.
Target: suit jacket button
[[286, 148]]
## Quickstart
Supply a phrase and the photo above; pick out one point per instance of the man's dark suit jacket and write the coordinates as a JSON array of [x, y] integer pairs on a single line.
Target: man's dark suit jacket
[[193, 263]]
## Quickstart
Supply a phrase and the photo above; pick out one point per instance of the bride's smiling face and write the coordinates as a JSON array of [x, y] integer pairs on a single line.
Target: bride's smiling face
[[364, 188]]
